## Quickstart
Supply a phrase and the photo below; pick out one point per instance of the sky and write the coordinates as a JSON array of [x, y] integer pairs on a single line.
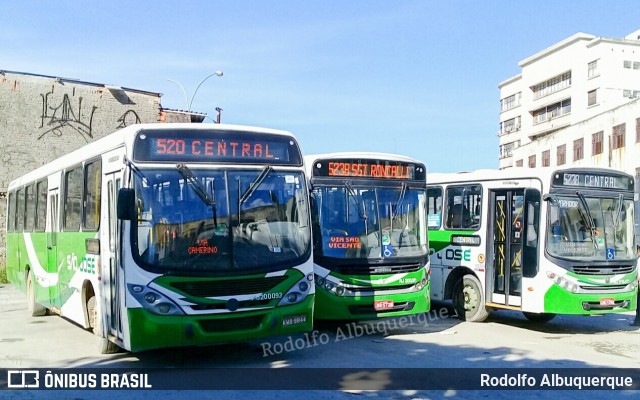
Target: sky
[[413, 77]]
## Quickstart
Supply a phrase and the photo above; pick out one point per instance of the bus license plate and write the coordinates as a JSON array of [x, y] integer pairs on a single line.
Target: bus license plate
[[607, 302], [383, 304], [294, 320]]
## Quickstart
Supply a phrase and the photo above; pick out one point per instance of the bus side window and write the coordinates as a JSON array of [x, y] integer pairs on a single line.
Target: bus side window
[[434, 207]]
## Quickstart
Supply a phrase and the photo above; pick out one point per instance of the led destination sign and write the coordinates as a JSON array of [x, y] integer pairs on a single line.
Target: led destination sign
[[216, 146], [593, 180], [376, 169]]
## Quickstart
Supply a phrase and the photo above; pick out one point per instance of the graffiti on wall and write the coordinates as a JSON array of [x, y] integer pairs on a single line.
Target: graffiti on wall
[[128, 118], [65, 116]]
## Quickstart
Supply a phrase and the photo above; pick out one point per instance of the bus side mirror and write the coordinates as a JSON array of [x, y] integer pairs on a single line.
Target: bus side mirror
[[126, 204]]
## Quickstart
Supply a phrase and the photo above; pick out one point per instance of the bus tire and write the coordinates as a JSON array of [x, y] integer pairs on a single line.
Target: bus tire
[[539, 317], [468, 299], [105, 346], [35, 309]]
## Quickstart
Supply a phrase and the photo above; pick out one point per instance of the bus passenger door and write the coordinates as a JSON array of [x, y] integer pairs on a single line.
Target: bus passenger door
[[110, 257], [52, 228], [504, 274]]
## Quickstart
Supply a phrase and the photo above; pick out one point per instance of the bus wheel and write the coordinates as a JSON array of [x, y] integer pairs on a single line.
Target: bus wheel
[[105, 346], [468, 299], [34, 308], [539, 317]]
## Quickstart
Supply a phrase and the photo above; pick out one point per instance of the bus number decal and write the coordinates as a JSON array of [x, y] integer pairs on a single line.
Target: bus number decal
[[268, 296]]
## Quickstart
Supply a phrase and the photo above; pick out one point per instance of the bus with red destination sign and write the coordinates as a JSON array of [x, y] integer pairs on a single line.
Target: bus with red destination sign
[[371, 250], [167, 235], [541, 241]]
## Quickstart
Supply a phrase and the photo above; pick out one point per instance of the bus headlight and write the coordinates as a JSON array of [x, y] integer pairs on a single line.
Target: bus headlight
[[297, 293], [154, 301], [563, 282]]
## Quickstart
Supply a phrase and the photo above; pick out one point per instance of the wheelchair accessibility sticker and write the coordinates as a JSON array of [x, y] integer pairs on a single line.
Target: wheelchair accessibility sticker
[[611, 253]]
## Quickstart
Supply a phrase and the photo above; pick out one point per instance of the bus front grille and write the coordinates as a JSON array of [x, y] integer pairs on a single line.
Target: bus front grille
[[235, 287], [376, 269], [230, 324], [602, 270]]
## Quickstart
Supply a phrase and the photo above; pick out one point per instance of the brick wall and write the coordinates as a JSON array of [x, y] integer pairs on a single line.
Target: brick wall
[[42, 118]]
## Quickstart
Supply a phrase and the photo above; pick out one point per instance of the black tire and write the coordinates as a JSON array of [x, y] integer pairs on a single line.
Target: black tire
[[539, 317], [105, 346], [35, 309], [468, 299]]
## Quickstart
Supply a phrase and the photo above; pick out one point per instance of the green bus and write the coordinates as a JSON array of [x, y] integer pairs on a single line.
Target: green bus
[[168, 235], [371, 252]]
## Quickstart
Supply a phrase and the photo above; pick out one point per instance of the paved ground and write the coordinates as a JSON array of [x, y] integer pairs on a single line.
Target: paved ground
[[506, 340]]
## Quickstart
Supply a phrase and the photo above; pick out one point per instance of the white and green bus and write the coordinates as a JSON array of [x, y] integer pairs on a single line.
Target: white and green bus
[[166, 235], [540, 241], [371, 250]]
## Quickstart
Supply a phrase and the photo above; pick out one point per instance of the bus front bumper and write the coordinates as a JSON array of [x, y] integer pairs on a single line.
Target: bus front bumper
[[152, 331]]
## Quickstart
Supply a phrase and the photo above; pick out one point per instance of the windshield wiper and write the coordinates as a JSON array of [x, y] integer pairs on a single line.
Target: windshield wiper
[[255, 184], [585, 214], [616, 220], [197, 187], [403, 191], [352, 192]]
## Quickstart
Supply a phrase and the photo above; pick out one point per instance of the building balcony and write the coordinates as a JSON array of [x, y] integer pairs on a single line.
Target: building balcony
[[549, 126]]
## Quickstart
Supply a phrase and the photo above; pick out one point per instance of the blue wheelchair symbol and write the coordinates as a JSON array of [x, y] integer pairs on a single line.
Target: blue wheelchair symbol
[[611, 253]]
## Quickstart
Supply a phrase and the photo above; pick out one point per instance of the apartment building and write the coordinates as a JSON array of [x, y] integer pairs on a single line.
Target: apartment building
[[574, 103]]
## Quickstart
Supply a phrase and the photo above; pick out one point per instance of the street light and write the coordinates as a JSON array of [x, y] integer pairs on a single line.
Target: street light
[[184, 92]]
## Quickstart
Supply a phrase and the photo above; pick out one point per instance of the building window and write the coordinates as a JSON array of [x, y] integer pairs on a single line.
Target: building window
[[617, 137], [578, 149], [562, 154], [519, 163], [592, 97], [532, 161], [637, 130], [552, 111], [552, 85], [510, 125], [506, 150], [626, 64], [592, 69], [546, 158], [637, 172], [596, 143], [510, 102]]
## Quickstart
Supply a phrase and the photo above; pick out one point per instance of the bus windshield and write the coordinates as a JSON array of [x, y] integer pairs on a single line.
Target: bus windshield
[[371, 223], [582, 228], [221, 220]]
